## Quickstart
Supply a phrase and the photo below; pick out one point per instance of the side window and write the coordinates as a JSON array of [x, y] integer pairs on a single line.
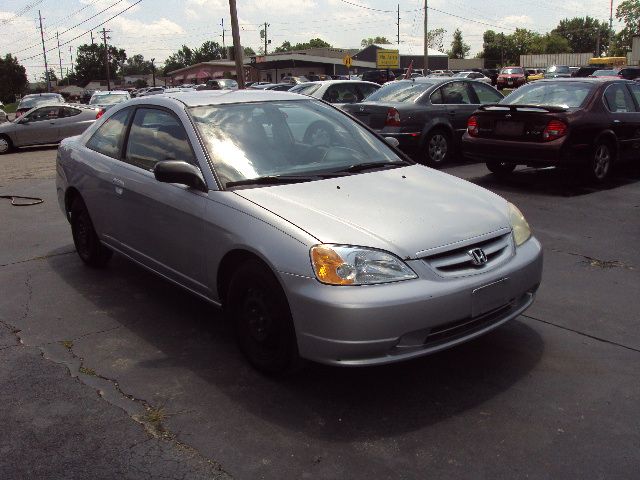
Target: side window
[[486, 94], [456, 93], [635, 91], [44, 113], [436, 97], [365, 90], [157, 135], [341, 93], [618, 99], [66, 112], [110, 135]]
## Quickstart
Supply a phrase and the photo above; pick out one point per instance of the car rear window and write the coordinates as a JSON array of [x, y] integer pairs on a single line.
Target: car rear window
[[399, 92], [39, 100], [559, 69], [565, 94], [107, 99]]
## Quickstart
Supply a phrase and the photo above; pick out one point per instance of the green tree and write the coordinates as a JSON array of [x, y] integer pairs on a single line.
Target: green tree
[[140, 83], [627, 12], [249, 52], [52, 76], [374, 41], [435, 39], [207, 52], [553, 43], [285, 47], [313, 43], [459, 49], [89, 64], [182, 58], [13, 78], [583, 34], [137, 65]]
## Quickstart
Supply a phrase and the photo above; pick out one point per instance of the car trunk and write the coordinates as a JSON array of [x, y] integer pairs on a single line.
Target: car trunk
[[372, 114], [517, 122]]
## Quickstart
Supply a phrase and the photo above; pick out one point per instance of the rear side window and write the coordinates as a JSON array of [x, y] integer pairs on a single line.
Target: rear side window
[[341, 93], [69, 112], [404, 91], [485, 93], [618, 99], [635, 91], [110, 135], [455, 93], [157, 135]]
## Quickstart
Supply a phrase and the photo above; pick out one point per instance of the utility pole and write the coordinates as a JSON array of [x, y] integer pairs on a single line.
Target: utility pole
[[426, 37], [59, 56], [106, 56], [71, 55], [153, 70], [91, 32], [610, 28], [265, 36], [223, 45], [44, 53], [398, 24], [598, 45], [237, 47]]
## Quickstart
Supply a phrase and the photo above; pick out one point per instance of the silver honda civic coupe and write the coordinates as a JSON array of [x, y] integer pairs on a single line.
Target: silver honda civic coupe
[[319, 239]]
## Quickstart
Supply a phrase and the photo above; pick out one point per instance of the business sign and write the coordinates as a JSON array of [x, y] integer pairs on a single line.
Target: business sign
[[387, 59], [347, 61]]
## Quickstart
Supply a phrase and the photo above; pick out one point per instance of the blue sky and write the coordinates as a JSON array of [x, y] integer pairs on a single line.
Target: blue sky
[[156, 28]]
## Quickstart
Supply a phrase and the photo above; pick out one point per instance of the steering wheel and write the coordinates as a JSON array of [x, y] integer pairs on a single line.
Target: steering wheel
[[320, 134]]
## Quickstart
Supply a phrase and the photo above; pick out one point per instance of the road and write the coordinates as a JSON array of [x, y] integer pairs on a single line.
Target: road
[[117, 374]]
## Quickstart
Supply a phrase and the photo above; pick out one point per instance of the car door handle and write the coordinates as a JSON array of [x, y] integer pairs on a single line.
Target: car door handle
[[119, 185]]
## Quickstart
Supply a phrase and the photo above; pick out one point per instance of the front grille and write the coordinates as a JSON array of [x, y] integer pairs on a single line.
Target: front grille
[[458, 262]]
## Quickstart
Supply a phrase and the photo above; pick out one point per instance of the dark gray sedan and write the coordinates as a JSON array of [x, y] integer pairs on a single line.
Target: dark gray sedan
[[425, 114], [45, 125]]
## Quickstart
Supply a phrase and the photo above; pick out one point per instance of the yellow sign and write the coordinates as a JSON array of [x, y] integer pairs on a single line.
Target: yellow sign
[[387, 59], [347, 61]]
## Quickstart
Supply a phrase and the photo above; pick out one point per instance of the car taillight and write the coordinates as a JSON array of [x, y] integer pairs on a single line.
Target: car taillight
[[100, 113], [554, 130], [393, 118], [472, 126]]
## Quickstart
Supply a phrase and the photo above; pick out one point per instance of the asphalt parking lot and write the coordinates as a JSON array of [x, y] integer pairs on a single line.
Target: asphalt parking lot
[[117, 374]]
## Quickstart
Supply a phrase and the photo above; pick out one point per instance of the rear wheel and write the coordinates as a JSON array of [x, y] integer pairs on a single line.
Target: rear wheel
[[601, 162], [88, 245], [5, 144], [437, 148], [262, 319], [501, 168]]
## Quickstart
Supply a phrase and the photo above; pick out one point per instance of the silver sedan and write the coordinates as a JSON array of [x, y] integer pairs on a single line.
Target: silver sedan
[[320, 240], [337, 92], [45, 125]]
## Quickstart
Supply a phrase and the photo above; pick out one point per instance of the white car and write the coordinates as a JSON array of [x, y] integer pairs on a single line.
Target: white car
[[337, 92], [474, 76]]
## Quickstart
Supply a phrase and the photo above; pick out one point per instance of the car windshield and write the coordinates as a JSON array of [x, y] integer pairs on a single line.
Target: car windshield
[[512, 71], [305, 89], [565, 94], [109, 99], [604, 73], [291, 139], [404, 91], [36, 101], [559, 69]]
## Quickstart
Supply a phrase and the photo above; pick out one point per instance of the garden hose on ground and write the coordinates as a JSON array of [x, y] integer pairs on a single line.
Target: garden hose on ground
[[35, 200]]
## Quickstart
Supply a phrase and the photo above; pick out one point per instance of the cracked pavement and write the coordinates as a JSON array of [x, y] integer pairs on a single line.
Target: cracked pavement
[[118, 374]]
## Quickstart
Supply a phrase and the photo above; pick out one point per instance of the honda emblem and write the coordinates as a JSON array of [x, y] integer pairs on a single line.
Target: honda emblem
[[478, 257]]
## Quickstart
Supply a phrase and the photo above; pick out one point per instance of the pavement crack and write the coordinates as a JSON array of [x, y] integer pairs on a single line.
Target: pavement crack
[[597, 262], [600, 339], [41, 257]]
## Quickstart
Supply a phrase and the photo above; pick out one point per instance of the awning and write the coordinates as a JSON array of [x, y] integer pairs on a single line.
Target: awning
[[203, 74]]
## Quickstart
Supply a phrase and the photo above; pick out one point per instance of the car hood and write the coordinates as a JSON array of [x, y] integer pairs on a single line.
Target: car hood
[[404, 210]]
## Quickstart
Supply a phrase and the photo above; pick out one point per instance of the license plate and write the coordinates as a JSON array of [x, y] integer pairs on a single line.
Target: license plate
[[509, 129], [489, 297]]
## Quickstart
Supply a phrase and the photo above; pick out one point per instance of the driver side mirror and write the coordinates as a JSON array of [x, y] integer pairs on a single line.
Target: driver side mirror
[[394, 142], [176, 171]]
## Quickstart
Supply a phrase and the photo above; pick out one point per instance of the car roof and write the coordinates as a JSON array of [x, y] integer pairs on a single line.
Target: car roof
[[41, 95], [223, 97], [110, 92]]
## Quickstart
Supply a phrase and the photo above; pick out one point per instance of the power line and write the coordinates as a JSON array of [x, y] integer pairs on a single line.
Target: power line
[[21, 12]]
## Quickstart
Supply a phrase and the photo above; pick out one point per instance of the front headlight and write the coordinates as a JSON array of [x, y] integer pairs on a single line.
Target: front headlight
[[345, 265], [521, 229]]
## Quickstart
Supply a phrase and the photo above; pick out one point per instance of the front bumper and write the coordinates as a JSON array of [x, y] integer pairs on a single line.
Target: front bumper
[[379, 324]]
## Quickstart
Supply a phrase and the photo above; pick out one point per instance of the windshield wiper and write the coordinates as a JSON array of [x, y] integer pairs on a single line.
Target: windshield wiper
[[273, 180], [361, 167]]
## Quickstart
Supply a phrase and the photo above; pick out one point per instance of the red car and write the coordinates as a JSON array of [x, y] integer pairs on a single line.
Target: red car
[[511, 77]]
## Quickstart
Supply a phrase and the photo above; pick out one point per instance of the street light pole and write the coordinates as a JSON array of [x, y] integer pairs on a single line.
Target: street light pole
[[426, 37], [153, 70], [235, 30], [44, 53]]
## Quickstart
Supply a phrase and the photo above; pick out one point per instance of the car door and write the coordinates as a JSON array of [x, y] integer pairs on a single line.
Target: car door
[[635, 92], [74, 121], [624, 118], [459, 103], [38, 127], [161, 225]]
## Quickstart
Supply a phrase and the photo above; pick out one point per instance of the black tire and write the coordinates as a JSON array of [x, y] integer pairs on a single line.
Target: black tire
[[437, 148], [5, 145], [262, 319], [501, 169], [601, 162], [88, 245]]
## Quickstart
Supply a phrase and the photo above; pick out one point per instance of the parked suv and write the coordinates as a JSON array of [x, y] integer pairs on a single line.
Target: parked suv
[[378, 76], [511, 77]]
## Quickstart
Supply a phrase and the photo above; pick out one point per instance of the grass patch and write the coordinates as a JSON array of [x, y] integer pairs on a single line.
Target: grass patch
[[10, 107], [87, 371]]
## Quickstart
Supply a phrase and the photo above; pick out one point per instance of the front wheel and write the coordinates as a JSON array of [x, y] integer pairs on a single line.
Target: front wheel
[[601, 162], [437, 148], [88, 245], [501, 168], [5, 145], [262, 319]]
